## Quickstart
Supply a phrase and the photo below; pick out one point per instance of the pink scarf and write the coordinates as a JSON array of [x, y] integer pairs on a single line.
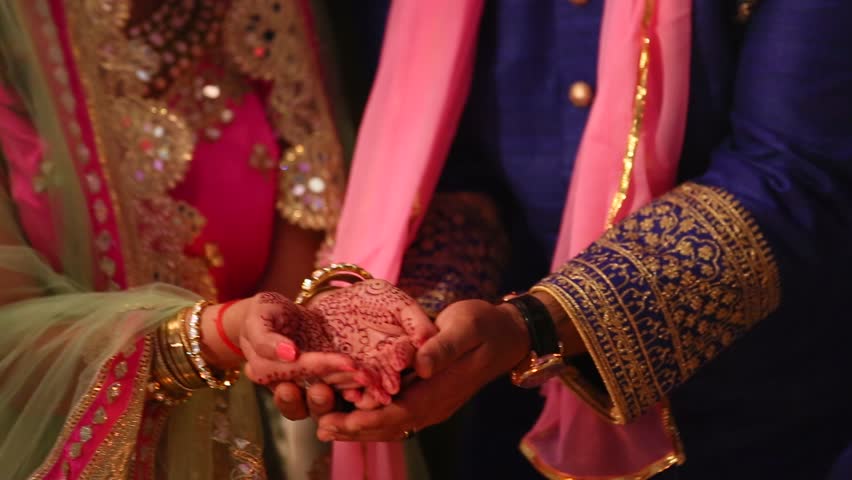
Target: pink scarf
[[410, 120]]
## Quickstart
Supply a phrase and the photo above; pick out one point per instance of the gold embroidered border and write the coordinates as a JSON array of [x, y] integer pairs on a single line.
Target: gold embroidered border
[[114, 455], [553, 474], [84, 404], [71, 422], [664, 292], [107, 65], [276, 42]]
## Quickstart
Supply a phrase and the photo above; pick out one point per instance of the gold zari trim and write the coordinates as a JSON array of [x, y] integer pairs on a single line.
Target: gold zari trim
[[638, 116], [665, 291], [553, 474], [112, 458]]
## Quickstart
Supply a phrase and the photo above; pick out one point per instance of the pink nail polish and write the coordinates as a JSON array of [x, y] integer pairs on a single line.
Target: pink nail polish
[[286, 351]]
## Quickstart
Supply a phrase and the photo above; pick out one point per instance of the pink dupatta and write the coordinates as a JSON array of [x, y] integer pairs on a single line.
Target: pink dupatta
[[417, 98]]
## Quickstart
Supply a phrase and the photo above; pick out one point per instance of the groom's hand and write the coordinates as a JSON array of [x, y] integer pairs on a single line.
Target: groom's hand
[[296, 404], [476, 342]]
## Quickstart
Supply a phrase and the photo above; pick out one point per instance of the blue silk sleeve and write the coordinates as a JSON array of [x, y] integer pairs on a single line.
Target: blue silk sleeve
[[788, 158], [759, 234]]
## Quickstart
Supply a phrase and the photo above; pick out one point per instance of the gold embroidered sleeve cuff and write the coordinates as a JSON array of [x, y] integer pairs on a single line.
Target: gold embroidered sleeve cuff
[[663, 293]]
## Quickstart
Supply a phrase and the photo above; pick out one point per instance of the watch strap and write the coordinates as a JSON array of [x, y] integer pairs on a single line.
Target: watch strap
[[543, 337]]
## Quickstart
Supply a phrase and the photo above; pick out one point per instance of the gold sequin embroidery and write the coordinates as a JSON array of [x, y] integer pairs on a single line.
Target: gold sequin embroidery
[[145, 148], [271, 40]]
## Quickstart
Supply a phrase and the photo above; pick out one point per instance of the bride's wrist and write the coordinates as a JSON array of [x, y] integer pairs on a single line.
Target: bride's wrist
[[221, 325]]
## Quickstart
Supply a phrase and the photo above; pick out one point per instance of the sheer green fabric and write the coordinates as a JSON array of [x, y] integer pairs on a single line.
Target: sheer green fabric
[[55, 332]]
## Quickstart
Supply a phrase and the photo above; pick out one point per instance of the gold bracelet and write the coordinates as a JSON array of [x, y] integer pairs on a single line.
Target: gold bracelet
[[165, 385], [320, 279], [176, 355], [191, 339]]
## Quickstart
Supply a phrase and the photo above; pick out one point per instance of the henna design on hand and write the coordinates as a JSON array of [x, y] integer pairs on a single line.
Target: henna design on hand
[[373, 322]]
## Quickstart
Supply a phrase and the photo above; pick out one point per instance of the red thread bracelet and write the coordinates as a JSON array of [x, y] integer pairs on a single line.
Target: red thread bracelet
[[220, 328]]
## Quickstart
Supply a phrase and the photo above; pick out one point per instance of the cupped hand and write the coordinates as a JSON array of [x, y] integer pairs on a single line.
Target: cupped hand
[[476, 343], [359, 336], [271, 357], [379, 326]]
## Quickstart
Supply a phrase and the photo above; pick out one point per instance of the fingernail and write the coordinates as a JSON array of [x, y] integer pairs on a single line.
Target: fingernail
[[325, 435], [286, 351], [287, 396], [331, 428], [317, 400]]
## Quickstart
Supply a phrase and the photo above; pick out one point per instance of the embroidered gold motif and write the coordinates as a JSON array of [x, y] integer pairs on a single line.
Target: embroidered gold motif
[[205, 98], [270, 40], [100, 416], [157, 147], [458, 253], [75, 450], [665, 291], [85, 433], [165, 226]]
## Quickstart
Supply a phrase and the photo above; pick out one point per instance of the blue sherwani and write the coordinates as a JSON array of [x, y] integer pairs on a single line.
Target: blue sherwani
[[770, 126]]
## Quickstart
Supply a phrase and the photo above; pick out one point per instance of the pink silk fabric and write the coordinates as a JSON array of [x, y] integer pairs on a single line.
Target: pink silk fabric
[[569, 437], [409, 122], [418, 95]]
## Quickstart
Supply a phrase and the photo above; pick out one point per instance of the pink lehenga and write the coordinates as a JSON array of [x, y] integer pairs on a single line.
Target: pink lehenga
[[142, 169]]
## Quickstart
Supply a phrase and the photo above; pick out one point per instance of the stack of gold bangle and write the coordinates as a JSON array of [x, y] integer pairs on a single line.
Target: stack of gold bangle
[[178, 368], [321, 278]]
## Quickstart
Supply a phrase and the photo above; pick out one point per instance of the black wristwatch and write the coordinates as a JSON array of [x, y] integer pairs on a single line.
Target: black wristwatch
[[546, 358]]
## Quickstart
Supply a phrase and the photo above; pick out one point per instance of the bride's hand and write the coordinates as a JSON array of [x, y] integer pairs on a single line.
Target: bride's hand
[[375, 323], [283, 342]]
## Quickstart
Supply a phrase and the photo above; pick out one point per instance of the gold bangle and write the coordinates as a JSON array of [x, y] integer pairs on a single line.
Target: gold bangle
[[158, 393], [164, 386], [191, 339], [320, 278], [176, 355]]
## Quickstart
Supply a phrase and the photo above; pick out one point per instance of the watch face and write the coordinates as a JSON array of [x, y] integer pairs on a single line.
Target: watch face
[[539, 370]]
